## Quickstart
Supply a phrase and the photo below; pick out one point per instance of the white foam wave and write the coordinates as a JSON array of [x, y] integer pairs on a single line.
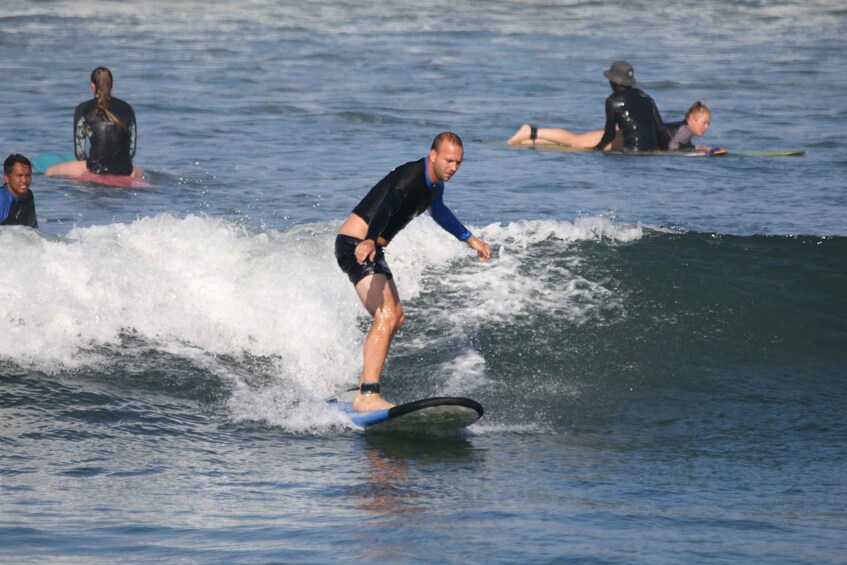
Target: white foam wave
[[523, 278], [203, 288]]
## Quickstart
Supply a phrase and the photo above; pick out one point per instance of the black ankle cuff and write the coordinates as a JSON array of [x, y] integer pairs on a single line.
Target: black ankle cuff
[[369, 388]]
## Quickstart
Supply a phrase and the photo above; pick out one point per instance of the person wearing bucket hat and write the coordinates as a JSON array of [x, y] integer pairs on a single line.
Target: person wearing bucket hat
[[621, 73], [676, 136], [633, 122], [630, 111]]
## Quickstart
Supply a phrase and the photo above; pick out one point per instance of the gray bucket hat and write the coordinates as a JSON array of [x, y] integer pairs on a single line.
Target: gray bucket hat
[[621, 73]]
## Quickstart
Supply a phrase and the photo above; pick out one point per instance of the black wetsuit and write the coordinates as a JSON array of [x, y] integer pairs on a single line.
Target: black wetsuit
[[112, 145], [404, 193], [17, 211], [677, 137], [636, 115]]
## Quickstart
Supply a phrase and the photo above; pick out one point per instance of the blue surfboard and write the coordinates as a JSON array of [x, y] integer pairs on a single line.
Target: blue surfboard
[[47, 160], [438, 415]]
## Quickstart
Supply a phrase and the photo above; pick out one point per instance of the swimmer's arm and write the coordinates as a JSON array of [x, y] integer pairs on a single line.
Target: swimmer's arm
[[380, 218], [390, 203], [448, 221], [445, 218]]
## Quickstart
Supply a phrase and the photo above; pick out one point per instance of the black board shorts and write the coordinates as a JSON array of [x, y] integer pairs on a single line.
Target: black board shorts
[[345, 247]]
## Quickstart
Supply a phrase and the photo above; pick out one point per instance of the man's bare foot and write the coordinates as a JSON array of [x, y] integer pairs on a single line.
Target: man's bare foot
[[522, 135], [369, 403]]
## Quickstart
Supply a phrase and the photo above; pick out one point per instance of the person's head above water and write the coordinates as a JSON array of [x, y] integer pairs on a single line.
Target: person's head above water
[[445, 156], [698, 118], [17, 174], [620, 73]]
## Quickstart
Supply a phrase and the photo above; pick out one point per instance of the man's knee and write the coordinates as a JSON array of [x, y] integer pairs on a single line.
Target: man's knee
[[390, 318]]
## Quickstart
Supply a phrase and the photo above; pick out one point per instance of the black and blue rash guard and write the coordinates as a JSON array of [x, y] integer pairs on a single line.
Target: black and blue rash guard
[[679, 136], [404, 193], [112, 144], [636, 115], [16, 211]]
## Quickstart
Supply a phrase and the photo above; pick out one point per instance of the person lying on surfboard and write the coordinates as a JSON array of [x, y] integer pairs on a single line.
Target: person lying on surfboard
[[633, 122], [675, 136], [108, 124], [406, 192]]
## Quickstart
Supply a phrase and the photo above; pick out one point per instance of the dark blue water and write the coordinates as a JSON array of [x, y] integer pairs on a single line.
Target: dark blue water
[[658, 342]]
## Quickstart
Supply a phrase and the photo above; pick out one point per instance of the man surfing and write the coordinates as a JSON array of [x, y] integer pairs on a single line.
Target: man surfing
[[406, 192]]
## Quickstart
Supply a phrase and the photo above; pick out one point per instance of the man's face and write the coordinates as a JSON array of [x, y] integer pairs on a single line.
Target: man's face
[[19, 179], [446, 160]]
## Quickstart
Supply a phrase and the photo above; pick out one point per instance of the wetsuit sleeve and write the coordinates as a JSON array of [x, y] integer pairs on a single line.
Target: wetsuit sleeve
[[380, 219], [132, 134], [80, 133], [667, 138], [388, 206], [661, 130], [609, 131], [5, 203], [31, 218], [445, 218], [18, 212]]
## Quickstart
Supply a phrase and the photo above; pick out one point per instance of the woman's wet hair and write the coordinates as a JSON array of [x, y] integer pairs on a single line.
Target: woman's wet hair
[[101, 78]]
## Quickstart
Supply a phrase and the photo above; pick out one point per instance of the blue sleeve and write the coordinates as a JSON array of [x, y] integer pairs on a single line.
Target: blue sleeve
[[446, 219], [5, 203]]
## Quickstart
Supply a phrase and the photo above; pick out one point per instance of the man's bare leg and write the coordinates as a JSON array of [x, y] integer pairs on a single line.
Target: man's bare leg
[[380, 298]]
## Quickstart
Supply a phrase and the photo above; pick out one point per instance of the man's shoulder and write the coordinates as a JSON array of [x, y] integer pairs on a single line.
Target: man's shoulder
[[641, 94], [408, 170], [410, 165]]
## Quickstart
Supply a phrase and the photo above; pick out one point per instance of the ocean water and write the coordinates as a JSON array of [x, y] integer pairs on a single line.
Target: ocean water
[[659, 342]]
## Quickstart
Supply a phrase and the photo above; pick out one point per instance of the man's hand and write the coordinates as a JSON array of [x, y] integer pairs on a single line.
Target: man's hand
[[482, 249], [366, 250]]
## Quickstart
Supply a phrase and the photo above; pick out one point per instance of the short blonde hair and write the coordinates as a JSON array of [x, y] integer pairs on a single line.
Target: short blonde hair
[[696, 108], [446, 136]]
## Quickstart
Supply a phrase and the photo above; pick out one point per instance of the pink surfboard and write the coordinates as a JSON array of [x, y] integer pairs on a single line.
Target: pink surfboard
[[114, 180]]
